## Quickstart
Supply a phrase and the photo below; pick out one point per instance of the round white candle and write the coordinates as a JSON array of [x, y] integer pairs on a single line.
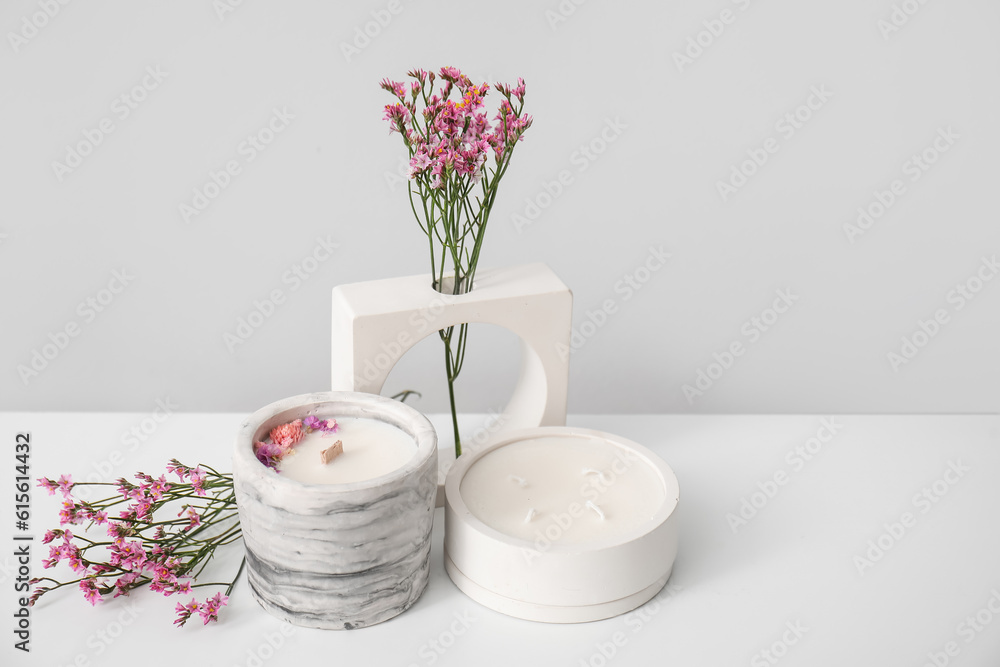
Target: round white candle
[[560, 524], [563, 490], [372, 448]]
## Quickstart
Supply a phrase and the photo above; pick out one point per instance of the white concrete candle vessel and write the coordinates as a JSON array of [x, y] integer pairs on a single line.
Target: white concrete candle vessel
[[340, 555], [562, 525]]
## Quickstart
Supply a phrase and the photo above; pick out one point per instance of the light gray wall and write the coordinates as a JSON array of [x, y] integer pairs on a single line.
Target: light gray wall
[[677, 128]]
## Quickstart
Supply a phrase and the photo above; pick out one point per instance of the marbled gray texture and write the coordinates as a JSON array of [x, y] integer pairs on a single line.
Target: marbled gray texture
[[337, 556]]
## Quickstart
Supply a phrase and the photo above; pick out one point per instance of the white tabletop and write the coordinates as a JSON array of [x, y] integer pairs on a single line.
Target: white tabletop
[[790, 581]]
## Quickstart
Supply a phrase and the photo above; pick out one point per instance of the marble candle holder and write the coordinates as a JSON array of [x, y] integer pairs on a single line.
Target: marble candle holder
[[336, 556]]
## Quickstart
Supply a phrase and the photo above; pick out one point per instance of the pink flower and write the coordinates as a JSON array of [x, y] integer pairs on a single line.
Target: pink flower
[[198, 481], [287, 435], [194, 519], [268, 453], [125, 583], [313, 423], [210, 609], [89, 588], [184, 612], [48, 484], [159, 487], [66, 484], [178, 468]]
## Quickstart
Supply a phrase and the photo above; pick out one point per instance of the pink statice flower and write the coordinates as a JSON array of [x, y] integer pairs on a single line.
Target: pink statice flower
[[66, 485], [210, 608], [197, 479], [184, 612], [49, 485], [89, 588]]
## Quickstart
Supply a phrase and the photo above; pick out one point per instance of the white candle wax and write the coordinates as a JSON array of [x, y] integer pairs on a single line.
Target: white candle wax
[[371, 448], [563, 490]]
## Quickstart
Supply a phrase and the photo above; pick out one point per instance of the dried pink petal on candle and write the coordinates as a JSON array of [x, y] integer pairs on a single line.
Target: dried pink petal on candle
[[287, 435], [331, 452]]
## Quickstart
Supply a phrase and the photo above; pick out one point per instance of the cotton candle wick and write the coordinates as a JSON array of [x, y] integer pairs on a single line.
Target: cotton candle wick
[[331, 452], [530, 515], [591, 471], [518, 480], [591, 505]]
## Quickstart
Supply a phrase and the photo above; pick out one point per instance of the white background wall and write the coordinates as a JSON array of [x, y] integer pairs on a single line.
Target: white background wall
[[332, 174]]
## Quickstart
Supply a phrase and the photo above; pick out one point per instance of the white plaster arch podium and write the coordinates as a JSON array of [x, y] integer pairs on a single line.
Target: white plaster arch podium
[[376, 322]]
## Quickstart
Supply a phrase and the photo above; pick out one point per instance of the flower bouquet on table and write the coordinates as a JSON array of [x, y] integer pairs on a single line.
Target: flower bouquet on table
[[457, 160]]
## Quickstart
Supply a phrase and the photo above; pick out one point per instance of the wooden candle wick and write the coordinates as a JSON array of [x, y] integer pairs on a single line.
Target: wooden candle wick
[[331, 452]]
